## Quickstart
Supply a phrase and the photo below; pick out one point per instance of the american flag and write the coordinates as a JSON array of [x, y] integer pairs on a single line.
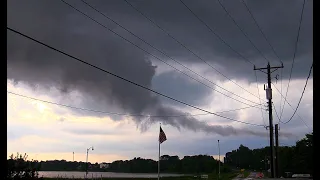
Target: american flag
[[162, 136]]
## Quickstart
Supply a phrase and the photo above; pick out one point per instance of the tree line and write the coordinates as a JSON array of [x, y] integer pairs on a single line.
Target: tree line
[[169, 164], [294, 159]]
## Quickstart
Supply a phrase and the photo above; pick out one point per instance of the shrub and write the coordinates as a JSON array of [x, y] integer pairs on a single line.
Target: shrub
[[20, 168]]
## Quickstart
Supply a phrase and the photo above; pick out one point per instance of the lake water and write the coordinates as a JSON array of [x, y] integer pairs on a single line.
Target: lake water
[[75, 174]]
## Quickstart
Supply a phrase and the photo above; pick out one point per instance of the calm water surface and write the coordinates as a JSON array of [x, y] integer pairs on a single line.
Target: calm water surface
[[76, 174]]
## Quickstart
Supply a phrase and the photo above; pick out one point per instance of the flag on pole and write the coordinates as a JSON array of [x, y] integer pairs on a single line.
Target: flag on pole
[[162, 136]]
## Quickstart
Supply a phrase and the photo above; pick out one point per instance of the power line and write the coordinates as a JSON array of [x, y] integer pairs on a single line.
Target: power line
[[272, 48], [121, 114], [304, 122], [282, 122], [285, 101], [168, 34], [274, 107], [156, 56], [260, 99], [235, 22], [103, 14], [265, 37], [211, 30], [294, 55], [301, 96], [281, 90], [281, 76], [124, 79]]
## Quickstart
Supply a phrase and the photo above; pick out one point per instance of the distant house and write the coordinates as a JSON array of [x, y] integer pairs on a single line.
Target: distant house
[[104, 165]]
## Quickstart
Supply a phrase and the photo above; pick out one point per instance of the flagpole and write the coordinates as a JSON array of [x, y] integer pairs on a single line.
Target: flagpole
[[219, 157], [159, 158]]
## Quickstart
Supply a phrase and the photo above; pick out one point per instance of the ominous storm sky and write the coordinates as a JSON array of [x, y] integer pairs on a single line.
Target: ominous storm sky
[[62, 79]]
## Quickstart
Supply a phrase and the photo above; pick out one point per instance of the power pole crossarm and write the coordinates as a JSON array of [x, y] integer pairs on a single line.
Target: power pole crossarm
[[275, 67]]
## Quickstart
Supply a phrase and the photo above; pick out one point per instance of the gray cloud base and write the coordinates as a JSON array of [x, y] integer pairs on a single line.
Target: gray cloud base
[[60, 26]]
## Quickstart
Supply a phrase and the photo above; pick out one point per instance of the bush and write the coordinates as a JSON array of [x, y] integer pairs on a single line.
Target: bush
[[20, 168]]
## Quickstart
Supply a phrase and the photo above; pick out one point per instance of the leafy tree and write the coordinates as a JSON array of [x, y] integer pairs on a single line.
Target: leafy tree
[[295, 159], [304, 155]]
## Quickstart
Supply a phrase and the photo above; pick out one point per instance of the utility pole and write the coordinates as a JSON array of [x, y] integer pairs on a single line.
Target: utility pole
[[73, 156], [219, 158], [277, 150], [269, 97]]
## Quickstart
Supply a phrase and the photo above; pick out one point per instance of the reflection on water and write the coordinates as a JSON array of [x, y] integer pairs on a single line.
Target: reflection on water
[[75, 174]]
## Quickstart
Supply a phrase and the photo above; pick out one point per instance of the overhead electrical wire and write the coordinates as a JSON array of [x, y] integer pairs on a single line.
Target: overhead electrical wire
[[260, 99], [211, 30], [122, 114], [103, 14], [301, 96], [274, 107], [281, 73], [235, 22], [285, 101], [127, 80], [175, 39], [294, 54], [158, 57], [256, 49], [265, 37]]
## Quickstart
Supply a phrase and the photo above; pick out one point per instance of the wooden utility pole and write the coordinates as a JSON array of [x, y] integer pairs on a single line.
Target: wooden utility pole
[[277, 149], [269, 97]]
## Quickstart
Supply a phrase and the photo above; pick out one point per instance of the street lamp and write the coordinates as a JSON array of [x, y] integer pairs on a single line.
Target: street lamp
[[219, 157], [87, 159]]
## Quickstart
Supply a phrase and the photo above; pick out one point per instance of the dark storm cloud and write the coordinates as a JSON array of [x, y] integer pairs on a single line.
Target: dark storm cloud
[[278, 20], [60, 26], [179, 86], [195, 125]]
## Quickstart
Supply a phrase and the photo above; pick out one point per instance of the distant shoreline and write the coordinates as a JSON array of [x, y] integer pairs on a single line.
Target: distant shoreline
[[81, 174], [109, 172]]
